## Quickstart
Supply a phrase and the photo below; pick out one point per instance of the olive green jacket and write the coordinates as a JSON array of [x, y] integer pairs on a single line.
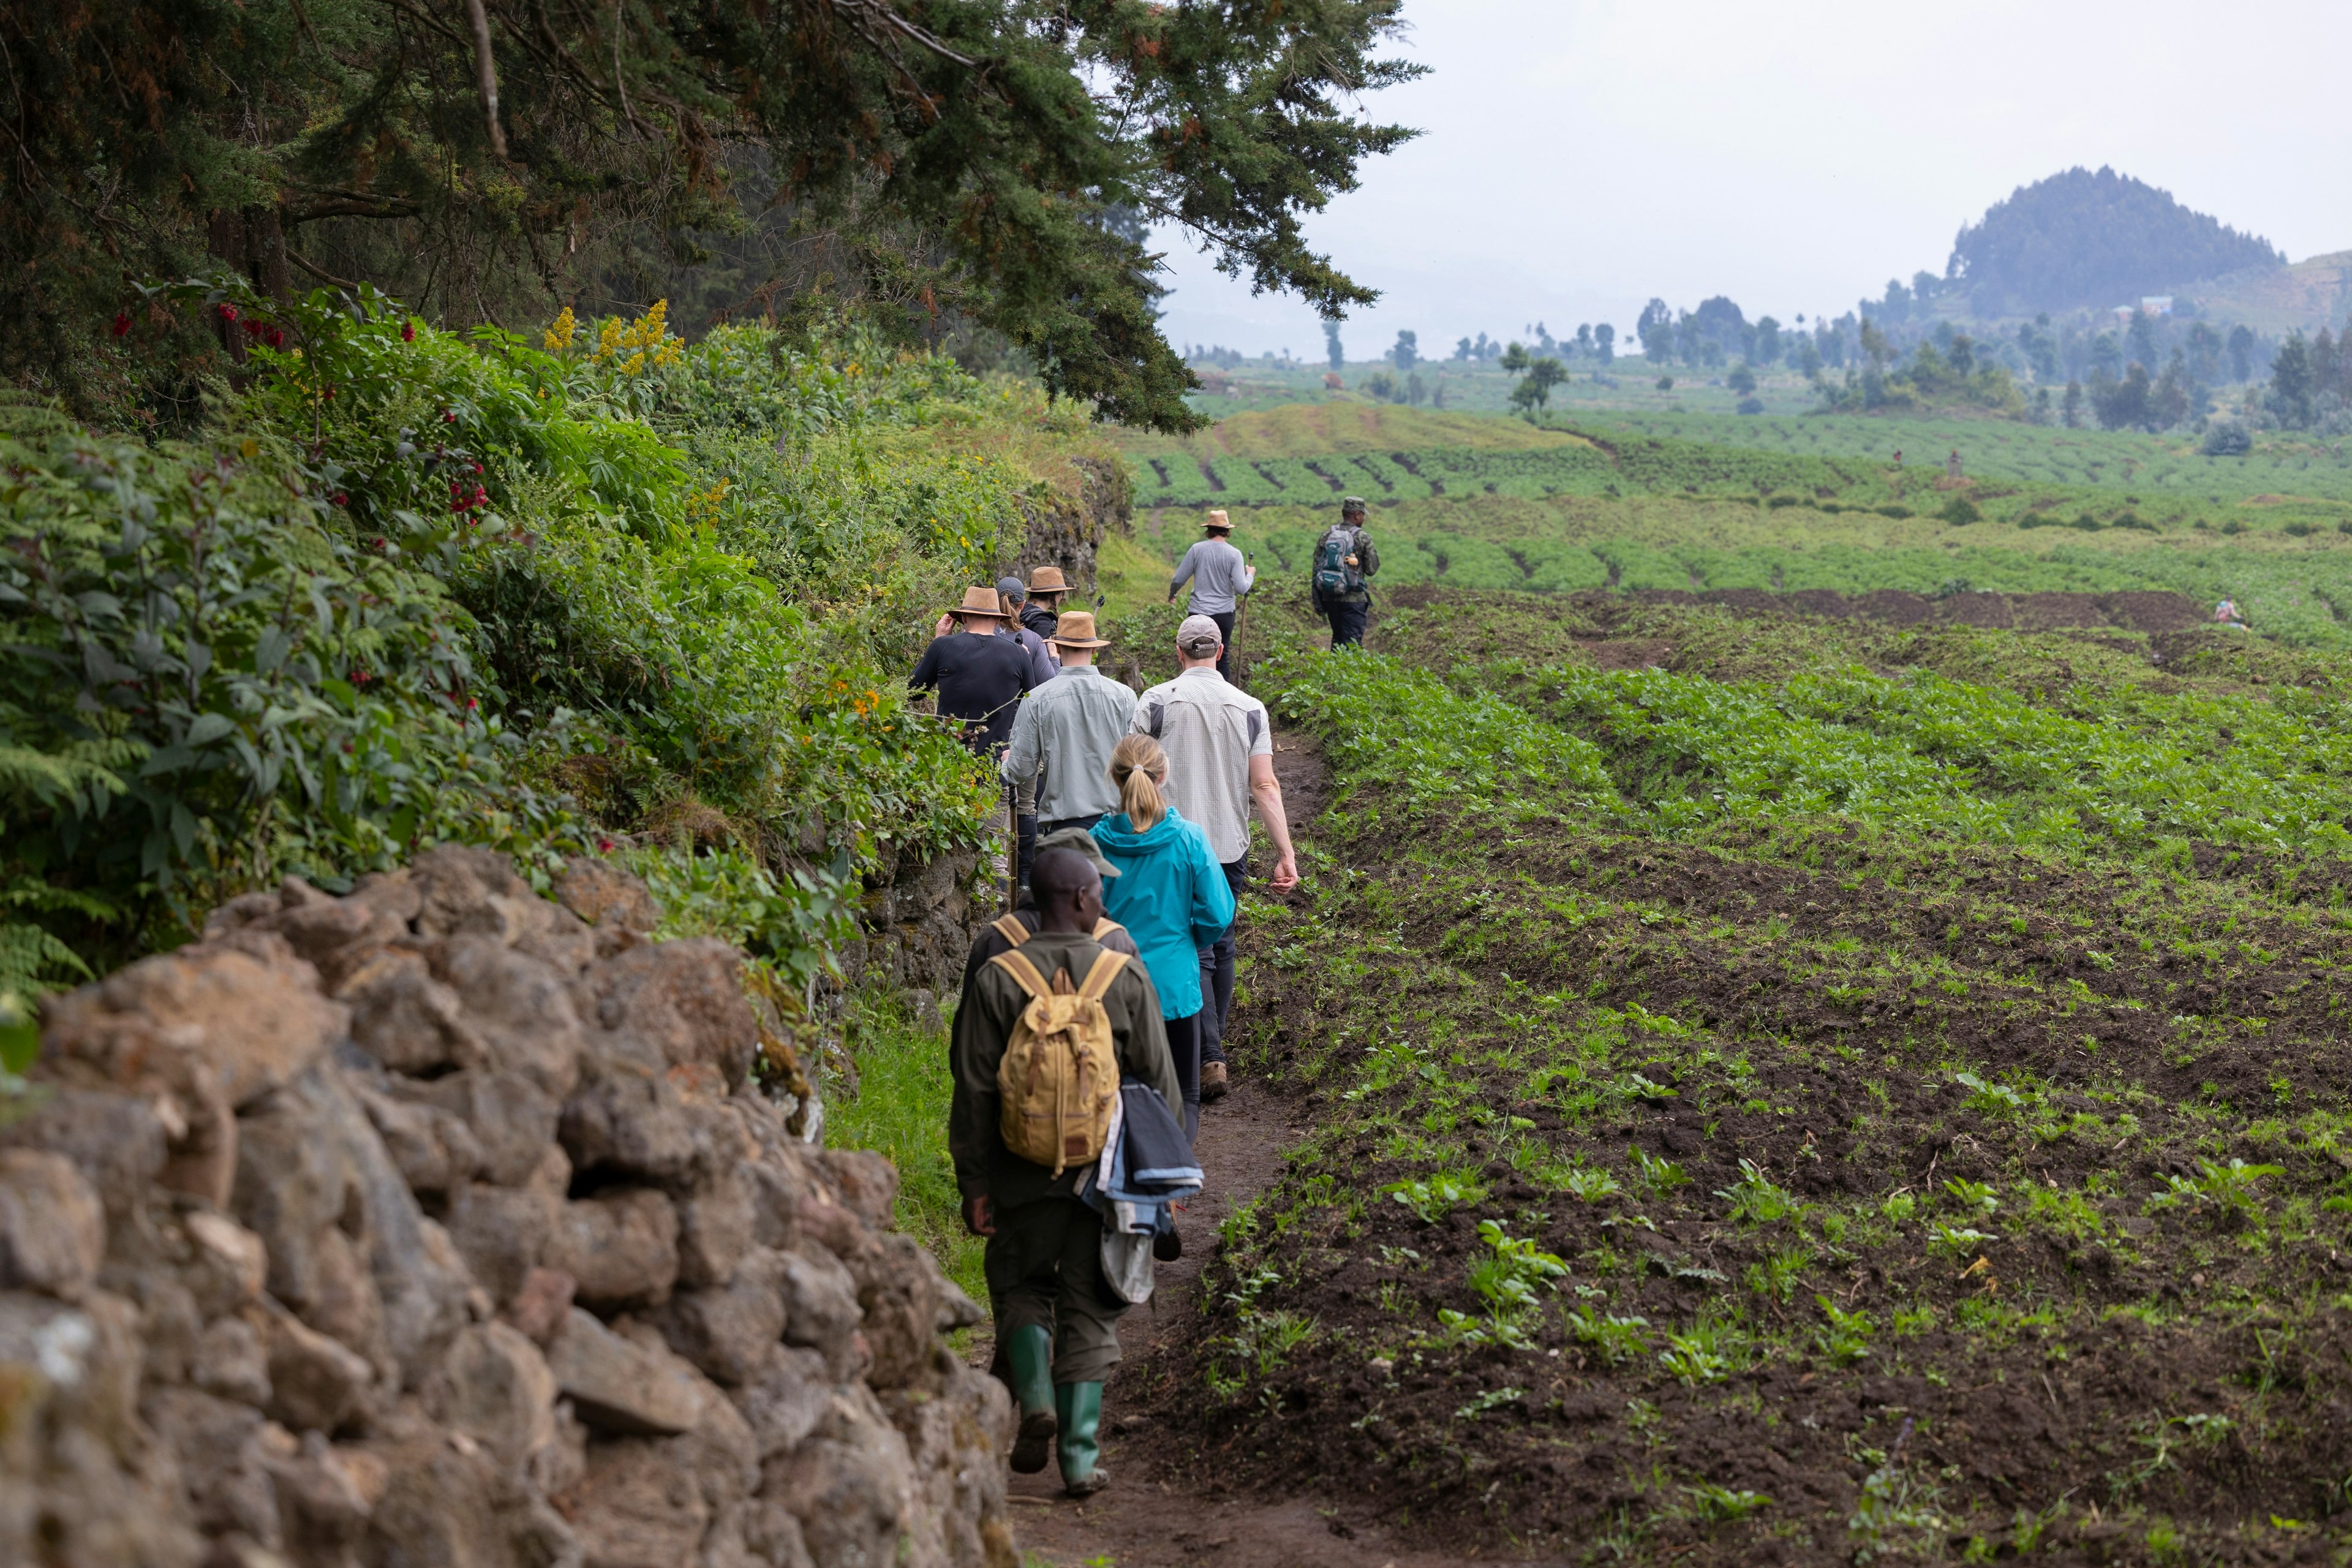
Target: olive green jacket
[[984, 1019]]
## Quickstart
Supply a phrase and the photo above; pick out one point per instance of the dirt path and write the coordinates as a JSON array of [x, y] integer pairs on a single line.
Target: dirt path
[[1153, 1515]]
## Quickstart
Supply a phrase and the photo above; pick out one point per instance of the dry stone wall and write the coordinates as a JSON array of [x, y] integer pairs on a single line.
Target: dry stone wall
[[442, 1225]]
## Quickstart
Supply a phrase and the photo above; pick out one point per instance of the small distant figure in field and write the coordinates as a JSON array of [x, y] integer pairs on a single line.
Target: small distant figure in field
[[1952, 464], [1898, 457], [2225, 614]]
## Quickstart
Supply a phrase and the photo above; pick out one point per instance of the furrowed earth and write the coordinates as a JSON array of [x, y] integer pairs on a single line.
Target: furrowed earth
[[1890, 1170]]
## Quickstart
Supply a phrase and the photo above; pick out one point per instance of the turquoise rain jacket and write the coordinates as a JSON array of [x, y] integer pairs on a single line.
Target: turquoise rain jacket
[[1171, 896]]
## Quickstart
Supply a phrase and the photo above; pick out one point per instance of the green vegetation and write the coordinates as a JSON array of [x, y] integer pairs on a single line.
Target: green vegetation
[[1850, 1090], [899, 1109], [963, 169], [413, 588], [2102, 239]]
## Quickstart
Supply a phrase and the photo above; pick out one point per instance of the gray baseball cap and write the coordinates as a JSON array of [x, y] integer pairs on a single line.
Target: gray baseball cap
[[1200, 637], [1013, 588]]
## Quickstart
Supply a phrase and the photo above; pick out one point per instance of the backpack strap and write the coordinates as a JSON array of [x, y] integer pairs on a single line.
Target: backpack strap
[[1025, 973], [1105, 969], [1105, 926], [1009, 928]]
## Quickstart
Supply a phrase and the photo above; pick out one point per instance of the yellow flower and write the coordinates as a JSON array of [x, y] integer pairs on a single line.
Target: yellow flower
[[560, 332]]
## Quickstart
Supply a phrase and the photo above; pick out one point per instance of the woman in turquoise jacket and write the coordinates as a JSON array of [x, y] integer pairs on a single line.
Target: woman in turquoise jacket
[[1171, 895]]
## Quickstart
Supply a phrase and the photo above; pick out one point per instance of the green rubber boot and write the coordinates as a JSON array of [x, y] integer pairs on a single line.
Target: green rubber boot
[[1030, 1352], [1080, 1406]]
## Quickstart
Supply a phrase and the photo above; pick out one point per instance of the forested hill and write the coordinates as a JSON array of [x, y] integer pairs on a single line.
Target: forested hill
[[2081, 238]]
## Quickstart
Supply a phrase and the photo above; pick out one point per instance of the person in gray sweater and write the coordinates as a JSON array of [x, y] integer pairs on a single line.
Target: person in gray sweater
[[1222, 578]]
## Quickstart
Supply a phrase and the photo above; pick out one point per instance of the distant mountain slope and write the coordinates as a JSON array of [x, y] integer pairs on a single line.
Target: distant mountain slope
[[2082, 239], [2279, 300]]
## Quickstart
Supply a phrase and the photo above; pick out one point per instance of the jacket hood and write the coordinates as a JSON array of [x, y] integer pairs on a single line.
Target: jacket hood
[[1118, 839]]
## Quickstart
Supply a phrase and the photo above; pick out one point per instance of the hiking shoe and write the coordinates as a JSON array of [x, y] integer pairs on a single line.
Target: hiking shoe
[[1093, 1481], [1214, 1082]]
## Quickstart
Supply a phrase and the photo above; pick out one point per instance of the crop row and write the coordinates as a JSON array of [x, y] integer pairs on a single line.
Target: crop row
[[1919, 753], [2014, 452]]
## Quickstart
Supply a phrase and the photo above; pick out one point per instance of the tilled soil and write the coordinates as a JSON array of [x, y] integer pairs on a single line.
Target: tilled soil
[[2080, 1372]]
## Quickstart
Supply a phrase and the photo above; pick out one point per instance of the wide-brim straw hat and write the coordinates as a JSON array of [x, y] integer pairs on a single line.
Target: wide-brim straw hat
[[981, 602], [1218, 519], [1077, 629], [1048, 580]]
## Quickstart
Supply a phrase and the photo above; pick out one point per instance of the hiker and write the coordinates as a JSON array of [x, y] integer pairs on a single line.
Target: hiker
[[1046, 586], [1220, 747], [1068, 728], [1170, 896], [998, 936], [1023, 1146], [979, 675], [1220, 578], [1344, 563]]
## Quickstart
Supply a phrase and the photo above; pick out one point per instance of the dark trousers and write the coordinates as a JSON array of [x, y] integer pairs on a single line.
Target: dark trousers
[[1184, 1047], [1045, 1267], [1347, 623], [1059, 823], [1217, 971], [1225, 628]]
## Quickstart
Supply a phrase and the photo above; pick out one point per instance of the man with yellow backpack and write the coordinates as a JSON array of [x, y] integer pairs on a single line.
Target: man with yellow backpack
[[1046, 1030]]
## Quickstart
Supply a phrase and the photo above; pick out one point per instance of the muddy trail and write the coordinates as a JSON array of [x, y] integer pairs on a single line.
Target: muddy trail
[[1168, 1506]]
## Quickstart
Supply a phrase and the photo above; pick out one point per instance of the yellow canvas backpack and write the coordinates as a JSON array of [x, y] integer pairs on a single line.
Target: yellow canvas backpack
[[1059, 1078]]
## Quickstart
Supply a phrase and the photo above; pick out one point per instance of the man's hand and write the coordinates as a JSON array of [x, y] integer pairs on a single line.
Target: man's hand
[[943, 625], [980, 1214], [1285, 871]]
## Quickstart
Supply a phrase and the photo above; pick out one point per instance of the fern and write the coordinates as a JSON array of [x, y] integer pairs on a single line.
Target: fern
[[33, 961]]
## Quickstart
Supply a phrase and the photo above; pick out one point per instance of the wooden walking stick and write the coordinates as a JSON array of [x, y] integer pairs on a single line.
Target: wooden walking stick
[[1241, 618]]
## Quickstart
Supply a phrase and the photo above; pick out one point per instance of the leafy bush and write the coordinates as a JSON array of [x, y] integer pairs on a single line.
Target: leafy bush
[[413, 587], [206, 683]]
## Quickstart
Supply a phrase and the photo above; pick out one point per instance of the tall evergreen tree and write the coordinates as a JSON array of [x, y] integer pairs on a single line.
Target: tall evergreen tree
[[986, 160]]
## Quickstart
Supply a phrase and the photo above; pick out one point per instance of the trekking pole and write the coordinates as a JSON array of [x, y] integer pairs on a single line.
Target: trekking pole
[[1241, 618], [1011, 847]]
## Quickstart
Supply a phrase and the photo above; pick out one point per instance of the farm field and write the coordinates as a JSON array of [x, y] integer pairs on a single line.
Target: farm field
[[1798, 1090], [1482, 503], [2284, 463]]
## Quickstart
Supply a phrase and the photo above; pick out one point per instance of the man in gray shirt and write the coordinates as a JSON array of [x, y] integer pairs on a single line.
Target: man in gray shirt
[[1221, 578], [1068, 727]]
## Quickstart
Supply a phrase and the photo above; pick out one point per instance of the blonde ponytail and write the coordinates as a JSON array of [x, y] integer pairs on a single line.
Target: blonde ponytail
[[1137, 766]]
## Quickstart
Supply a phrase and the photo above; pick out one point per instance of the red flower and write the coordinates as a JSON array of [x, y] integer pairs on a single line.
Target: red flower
[[227, 311], [448, 416], [605, 846], [407, 332], [122, 323], [253, 328], [277, 337], [343, 499]]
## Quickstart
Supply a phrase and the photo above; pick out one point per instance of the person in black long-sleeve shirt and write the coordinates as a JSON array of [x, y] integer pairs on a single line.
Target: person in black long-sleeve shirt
[[980, 677]]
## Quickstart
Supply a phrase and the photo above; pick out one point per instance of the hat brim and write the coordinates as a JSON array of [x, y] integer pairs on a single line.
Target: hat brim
[[963, 612], [1080, 642]]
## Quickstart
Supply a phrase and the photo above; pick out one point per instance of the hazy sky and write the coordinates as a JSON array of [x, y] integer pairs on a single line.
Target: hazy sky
[[1578, 156]]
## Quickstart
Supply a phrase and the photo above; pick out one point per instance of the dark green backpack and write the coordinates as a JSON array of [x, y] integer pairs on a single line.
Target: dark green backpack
[[1334, 578]]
